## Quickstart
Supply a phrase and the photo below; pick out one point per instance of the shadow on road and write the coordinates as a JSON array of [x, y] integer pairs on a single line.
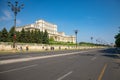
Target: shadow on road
[[112, 53], [87, 54]]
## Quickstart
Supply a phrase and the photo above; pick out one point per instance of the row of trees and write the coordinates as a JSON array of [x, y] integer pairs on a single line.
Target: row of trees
[[117, 40], [33, 36]]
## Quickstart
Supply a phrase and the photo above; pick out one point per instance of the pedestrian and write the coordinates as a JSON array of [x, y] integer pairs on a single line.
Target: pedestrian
[[59, 47], [27, 48], [21, 48]]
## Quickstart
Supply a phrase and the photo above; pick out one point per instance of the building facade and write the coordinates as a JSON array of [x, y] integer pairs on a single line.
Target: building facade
[[51, 29]]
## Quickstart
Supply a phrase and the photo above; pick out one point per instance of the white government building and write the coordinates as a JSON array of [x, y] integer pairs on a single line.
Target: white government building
[[51, 29]]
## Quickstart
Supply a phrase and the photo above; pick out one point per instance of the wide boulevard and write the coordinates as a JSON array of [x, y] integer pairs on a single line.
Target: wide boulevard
[[94, 64]]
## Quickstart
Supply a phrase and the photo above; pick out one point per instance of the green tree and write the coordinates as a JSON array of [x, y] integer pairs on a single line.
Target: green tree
[[36, 36], [11, 34], [28, 36], [117, 36], [45, 37], [18, 36], [39, 36], [117, 41], [51, 40], [4, 35], [22, 35], [32, 36]]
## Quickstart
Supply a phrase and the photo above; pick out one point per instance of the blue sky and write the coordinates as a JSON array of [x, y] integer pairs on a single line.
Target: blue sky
[[99, 19]]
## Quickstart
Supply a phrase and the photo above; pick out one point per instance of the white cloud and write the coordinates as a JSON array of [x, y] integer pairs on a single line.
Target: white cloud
[[6, 15]]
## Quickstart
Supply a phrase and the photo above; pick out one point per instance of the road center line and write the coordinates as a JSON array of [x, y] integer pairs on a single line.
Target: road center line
[[19, 68], [102, 72], [62, 77], [93, 58]]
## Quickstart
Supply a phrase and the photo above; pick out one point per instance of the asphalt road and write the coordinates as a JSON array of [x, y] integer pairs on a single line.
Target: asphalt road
[[97, 64]]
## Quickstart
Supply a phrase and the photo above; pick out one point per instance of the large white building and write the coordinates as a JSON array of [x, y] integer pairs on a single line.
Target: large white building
[[51, 29]]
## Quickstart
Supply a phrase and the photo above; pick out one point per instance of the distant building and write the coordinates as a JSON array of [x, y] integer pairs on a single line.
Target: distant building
[[51, 29]]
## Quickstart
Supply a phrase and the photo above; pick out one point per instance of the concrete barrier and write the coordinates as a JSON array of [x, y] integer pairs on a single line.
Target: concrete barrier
[[41, 47]]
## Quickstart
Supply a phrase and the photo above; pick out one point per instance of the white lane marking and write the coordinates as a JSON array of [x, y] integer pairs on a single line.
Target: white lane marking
[[94, 58], [18, 68], [35, 58], [62, 77]]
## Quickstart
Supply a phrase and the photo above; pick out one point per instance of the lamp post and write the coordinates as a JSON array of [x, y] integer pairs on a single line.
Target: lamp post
[[91, 39], [76, 32], [15, 8]]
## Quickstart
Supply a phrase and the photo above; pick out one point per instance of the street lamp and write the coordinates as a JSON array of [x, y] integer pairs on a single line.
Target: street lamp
[[15, 8], [76, 32], [91, 39]]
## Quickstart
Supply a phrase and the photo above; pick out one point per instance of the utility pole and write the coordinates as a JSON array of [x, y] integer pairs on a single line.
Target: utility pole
[[15, 9]]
